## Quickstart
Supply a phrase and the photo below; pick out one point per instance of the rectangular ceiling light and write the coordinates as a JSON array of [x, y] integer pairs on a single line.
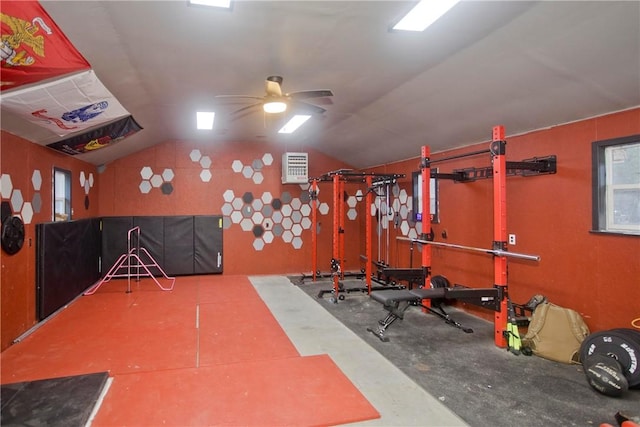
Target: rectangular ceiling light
[[214, 3], [295, 122], [425, 13], [204, 119]]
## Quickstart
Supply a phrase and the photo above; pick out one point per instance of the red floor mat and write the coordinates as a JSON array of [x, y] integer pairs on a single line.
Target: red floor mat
[[234, 331], [309, 391]]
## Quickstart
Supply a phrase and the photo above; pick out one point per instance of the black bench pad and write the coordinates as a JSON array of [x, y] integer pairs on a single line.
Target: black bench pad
[[391, 297]]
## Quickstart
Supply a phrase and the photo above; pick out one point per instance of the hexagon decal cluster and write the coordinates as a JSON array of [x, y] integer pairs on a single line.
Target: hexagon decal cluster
[[254, 170], [18, 205], [204, 162], [153, 180], [269, 217]]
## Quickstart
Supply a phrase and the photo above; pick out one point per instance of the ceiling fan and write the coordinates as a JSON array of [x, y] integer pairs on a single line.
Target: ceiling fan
[[275, 101]]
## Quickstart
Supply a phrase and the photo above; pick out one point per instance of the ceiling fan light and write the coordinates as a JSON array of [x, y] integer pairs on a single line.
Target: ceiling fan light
[[274, 107]]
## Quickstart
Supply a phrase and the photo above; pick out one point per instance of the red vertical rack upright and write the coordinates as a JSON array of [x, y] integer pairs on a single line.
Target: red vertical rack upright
[[498, 149]]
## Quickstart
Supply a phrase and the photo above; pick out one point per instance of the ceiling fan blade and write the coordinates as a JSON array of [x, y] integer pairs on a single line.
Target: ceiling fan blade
[[299, 107], [238, 96], [245, 109], [305, 94]]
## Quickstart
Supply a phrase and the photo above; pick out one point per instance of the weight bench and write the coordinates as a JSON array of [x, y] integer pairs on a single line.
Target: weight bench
[[397, 302]]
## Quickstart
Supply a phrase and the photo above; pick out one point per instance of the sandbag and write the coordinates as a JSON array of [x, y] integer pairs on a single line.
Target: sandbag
[[556, 333]]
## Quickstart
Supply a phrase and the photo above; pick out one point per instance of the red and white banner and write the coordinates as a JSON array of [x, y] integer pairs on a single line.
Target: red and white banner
[[65, 106], [32, 47]]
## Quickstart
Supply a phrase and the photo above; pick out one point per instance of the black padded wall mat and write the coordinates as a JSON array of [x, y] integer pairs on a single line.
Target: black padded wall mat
[[207, 244], [67, 257], [114, 239], [152, 239], [178, 245]]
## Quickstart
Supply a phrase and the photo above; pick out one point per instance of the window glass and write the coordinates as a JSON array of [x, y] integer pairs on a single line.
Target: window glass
[[61, 195], [617, 185]]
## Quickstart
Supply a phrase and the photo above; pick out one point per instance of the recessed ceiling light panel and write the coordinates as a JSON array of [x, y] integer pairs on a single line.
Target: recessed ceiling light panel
[[425, 13], [204, 120], [295, 122], [213, 3]]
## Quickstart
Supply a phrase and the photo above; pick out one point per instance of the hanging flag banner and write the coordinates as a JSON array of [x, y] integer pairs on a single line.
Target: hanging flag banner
[[32, 47], [98, 138], [65, 106]]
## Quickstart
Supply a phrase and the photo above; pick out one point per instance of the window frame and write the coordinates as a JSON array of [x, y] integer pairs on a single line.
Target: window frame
[[67, 196], [599, 217]]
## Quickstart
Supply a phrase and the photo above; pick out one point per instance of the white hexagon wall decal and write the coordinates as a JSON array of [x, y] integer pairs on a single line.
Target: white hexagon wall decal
[[258, 244], [16, 200], [403, 196], [90, 179], [296, 230], [236, 217], [305, 210], [351, 201], [6, 186], [287, 236], [167, 175], [352, 214], [146, 172], [266, 197], [27, 213], [267, 237], [296, 242], [82, 179], [257, 177], [267, 159], [36, 180], [237, 203], [228, 196], [296, 203], [145, 187], [156, 181], [205, 162], [306, 223], [226, 209], [205, 175], [246, 224], [236, 166], [195, 155], [247, 171], [257, 217], [86, 187], [323, 208]]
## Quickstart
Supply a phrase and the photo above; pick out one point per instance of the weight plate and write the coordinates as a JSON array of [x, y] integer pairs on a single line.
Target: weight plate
[[619, 345], [440, 282], [12, 235]]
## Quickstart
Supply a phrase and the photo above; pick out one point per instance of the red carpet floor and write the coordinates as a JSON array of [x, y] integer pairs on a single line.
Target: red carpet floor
[[207, 353]]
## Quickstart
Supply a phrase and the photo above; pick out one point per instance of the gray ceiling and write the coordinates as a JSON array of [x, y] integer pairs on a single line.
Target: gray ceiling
[[526, 65]]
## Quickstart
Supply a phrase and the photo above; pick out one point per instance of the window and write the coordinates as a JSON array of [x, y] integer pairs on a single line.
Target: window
[[616, 185], [417, 198], [61, 195]]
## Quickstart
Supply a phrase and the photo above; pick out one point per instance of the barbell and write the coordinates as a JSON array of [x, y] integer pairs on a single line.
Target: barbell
[[496, 252]]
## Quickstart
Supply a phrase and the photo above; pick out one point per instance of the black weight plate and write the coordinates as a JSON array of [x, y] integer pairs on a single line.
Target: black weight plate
[[440, 282], [12, 235], [618, 345]]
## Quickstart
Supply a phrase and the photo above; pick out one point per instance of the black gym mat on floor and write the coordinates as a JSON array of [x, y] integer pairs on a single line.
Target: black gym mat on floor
[[483, 384], [66, 401]]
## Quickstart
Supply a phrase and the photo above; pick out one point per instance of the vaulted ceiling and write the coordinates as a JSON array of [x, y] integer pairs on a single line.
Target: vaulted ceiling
[[525, 65]]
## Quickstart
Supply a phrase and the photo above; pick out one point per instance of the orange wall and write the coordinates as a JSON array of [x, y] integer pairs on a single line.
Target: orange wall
[[19, 160], [595, 274]]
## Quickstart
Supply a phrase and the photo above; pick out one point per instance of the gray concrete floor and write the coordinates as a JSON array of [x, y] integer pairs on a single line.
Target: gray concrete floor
[[313, 330], [431, 374]]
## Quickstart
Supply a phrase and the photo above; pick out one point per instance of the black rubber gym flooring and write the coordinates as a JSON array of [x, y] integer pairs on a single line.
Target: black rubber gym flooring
[[67, 401], [483, 384]]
